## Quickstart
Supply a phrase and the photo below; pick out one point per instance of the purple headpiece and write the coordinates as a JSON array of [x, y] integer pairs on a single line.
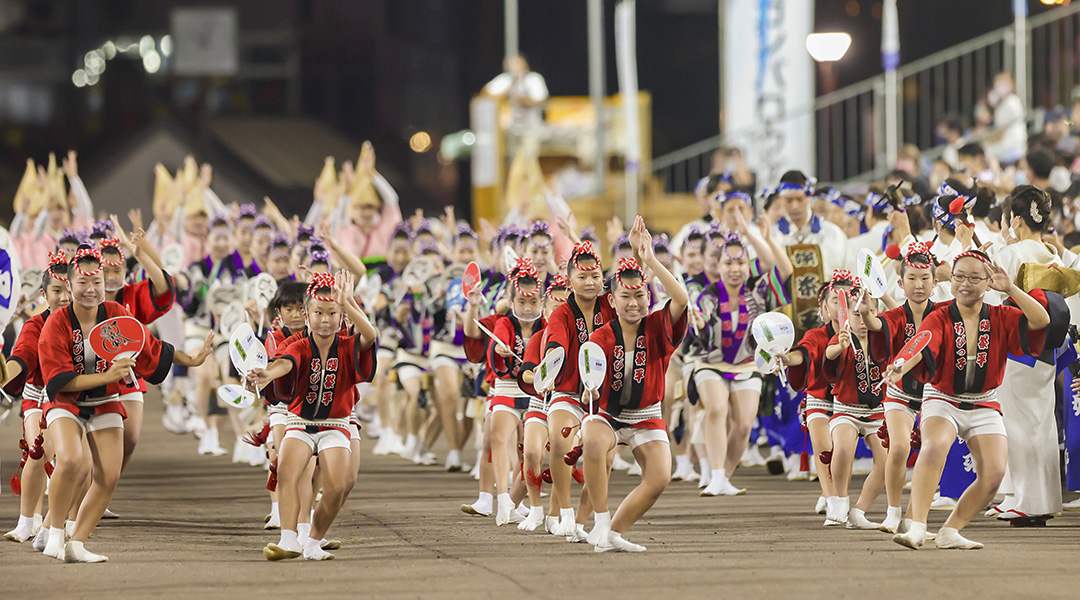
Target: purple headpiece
[[248, 211], [588, 233]]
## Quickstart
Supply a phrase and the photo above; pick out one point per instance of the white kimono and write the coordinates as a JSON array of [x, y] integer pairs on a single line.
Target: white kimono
[[1032, 483]]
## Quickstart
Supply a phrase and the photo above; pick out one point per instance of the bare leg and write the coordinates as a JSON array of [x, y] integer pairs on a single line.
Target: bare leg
[[293, 463], [937, 438], [655, 461], [871, 488], [536, 437], [132, 429], [744, 409], [447, 394], [33, 473], [503, 429], [107, 452], [844, 438], [991, 453], [713, 395], [820, 440], [598, 442], [335, 464], [72, 467], [560, 471], [900, 425]]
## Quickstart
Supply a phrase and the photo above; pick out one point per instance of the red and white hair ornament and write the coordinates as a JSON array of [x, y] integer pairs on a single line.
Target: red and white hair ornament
[[558, 282], [84, 253], [629, 265], [584, 249], [320, 281], [524, 269], [917, 249], [842, 276], [983, 258], [111, 243], [58, 265]]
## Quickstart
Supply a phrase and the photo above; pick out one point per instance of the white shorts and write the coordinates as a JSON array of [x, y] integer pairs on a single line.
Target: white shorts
[[323, 440], [278, 414], [817, 408], [131, 397], [898, 407], [967, 423], [94, 423], [742, 382], [354, 432], [865, 428], [566, 403], [386, 356], [442, 360], [517, 412], [632, 436]]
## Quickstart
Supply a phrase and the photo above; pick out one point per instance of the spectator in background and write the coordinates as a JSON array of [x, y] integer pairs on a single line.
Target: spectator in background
[[1039, 164], [951, 131], [1007, 139], [526, 90], [973, 162]]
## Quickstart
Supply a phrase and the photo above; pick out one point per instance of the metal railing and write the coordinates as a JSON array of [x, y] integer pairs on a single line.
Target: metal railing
[[850, 122]]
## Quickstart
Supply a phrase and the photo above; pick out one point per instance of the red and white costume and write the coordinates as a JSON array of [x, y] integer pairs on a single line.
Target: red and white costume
[[808, 377], [29, 383], [897, 327], [506, 394], [855, 377], [634, 385], [567, 329], [65, 353]]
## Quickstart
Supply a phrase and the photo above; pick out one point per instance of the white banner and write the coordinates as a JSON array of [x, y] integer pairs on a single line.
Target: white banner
[[769, 84], [626, 61]]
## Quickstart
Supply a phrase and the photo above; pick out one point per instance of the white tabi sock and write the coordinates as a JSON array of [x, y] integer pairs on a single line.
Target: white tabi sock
[[303, 532], [719, 475], [289, 541]]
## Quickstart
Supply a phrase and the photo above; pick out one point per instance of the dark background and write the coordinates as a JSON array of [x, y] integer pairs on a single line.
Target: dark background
[[384, 69]]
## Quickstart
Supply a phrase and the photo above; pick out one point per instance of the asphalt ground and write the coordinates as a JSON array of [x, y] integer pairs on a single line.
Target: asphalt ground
[[191, 527]]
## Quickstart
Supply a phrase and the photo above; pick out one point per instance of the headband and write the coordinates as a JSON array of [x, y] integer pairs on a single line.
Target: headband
[[318, 281], [524, 269], [785, 188], [83, 253], [629, 265], [736, 196], [973, 254], [111, 243], [732, 238]]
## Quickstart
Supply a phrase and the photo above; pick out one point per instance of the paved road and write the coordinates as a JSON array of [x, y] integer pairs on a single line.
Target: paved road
[[193, 525]]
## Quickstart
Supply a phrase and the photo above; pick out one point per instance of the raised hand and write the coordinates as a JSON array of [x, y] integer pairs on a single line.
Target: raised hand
[[999, 279], [204, 351], [844, 338], [366, 164], [135, 216], [70, 165], [614, 229]]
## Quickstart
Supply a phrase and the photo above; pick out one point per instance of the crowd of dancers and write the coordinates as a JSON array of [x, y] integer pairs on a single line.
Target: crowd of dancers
[[426, 333]]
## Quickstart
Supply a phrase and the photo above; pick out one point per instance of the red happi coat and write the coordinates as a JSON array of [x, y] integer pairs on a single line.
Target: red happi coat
[[139, 300], [1002, 330], [508, 329], [656, 340], [854, 375], [531, 360], [897, 327], [62, 354], [25, 353], [321, 387], [476, 349], [567, 329], [809, 376]]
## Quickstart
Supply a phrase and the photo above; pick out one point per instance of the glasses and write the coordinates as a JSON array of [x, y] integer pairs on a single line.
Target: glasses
[[969, 279]]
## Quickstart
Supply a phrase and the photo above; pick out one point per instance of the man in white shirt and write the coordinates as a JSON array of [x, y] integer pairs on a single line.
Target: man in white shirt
[[1008, 139], [526, 91], [800, 226]]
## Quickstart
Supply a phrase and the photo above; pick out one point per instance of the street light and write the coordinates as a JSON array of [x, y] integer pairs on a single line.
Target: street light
[[827, 47]]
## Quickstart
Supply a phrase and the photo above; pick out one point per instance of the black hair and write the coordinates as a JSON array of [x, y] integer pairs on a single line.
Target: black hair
[[1027, 202], [219, 222], [290, 292], [795, 178], [994, 216], [714, 183], [985, 198], [528, 282], [1072, 239], [953, 123], [570, 267], [1041, 162], [971, 149]]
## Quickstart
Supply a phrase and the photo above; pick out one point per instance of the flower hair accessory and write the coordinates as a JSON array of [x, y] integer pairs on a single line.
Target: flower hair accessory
[[661, 242], [918, 249], [588, 234], [304, 230], [248, 211], [584, 249], [629, 266], [524, 269], [466, 237], [101, 228], [1035, 214], [111, 243], [85, 253], [280, 246], [319, 281], [58, 265], [318, 256]]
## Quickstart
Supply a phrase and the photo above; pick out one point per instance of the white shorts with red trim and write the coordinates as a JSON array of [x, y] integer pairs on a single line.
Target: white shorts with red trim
[[635, 427], [897, 399], [519, 413], [742, 382], [864, 428], [571, 403], [537, 411], [278, 414], [968, 423], [817, 408]]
